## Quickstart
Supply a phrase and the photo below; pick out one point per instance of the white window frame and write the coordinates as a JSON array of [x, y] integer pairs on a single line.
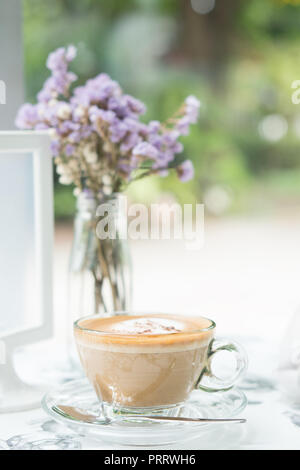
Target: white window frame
[[36, 143]]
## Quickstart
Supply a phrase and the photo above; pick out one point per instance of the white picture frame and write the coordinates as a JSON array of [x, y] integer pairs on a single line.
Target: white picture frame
[[14, 394]]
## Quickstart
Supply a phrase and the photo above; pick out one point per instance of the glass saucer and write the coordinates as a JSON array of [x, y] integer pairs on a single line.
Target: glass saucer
[[131, 431]]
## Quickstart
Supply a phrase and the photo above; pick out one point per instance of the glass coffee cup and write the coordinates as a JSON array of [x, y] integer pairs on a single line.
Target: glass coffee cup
[[144, 363]]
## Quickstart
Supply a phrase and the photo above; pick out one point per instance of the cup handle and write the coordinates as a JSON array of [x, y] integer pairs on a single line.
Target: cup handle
[[210, 382]]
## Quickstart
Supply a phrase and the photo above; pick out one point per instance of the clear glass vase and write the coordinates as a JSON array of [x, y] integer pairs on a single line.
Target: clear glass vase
[[99, 268]]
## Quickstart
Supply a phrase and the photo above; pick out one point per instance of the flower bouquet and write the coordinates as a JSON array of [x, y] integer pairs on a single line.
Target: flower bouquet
[[100, 146]]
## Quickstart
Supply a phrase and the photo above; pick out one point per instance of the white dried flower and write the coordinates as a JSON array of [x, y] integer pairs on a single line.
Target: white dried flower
[[64, 170], [90, 154], [92, 158], [64, 111], [106, 190], [76, 191], [65, 179], [52, 132], [73, 164], [106, 179], [52, 102], [79, 112], [60, 169]]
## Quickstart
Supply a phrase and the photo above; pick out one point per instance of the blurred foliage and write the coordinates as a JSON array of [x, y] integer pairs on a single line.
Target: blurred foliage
[[142, 44]]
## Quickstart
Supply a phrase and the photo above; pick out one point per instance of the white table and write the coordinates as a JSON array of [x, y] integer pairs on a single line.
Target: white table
[[238, 280], [271, 422]]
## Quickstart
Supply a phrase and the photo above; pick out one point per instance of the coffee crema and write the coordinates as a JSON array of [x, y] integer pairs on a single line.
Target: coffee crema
[[151, 331], [144, 360]]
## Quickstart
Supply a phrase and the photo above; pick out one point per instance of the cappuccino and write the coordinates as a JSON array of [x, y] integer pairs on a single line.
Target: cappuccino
[[143, 361]]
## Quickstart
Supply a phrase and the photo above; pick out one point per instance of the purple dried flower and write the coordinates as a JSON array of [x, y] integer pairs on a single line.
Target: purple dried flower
[[67, 126], [130, 141], [117, 130], [56, 59], [125, 106], [192, 101], [41, 126], [125, 168], [47, 92], [99, 115], [154, 127], [163, 160], [191, 114], [135, 105], [69, 150], [27, 117], [132, 124], [55, 148], [156, 140], [144, 149], [75, 137], [183, 125], [96, 91], [185, 171], [59, 59], [171, 137], [192, 108], [56, 85], [86, 131], [71, 53], [60, 80], [96, 114]]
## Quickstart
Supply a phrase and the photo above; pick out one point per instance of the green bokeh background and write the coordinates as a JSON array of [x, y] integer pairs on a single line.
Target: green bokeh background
[[240, 60]]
